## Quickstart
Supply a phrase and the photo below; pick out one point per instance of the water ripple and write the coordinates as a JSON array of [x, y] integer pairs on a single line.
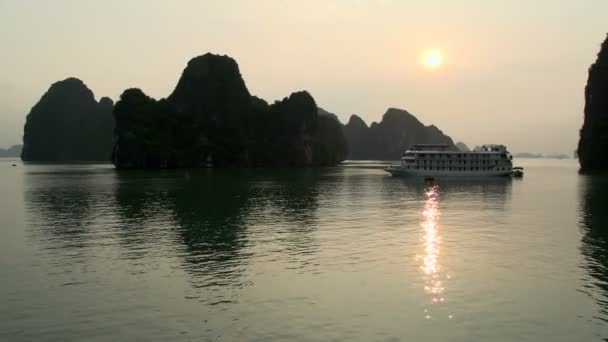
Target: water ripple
[[332, 254]]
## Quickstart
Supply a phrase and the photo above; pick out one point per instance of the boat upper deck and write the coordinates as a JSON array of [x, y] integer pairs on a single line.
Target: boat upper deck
[[447, 149]]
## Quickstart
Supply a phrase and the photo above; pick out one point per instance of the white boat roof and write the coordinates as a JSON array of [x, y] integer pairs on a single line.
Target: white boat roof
[[488, 148]]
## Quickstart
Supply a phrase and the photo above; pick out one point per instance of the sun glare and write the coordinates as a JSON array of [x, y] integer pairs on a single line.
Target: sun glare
[[432, 58]]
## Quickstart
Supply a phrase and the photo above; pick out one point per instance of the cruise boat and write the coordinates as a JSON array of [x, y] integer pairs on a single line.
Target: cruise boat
[[444, 160]]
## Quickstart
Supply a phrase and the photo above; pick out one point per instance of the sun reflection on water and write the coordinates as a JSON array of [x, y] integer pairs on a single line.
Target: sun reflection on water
[[431, 238]]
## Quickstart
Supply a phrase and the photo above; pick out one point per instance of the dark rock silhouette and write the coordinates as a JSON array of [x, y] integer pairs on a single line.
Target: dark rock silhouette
[[12, 152], [387, 140], [323, 112], [68, 124], [332, 144], [593, 143], [462, 146], [359, 138], [212, 119]]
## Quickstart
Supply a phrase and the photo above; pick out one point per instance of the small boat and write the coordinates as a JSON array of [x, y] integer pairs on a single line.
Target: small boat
[[518, 172]]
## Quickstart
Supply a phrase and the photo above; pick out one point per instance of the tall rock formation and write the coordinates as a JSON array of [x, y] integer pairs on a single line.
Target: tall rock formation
[[68, 124], [212, 119], [387, 140], [593, 143]]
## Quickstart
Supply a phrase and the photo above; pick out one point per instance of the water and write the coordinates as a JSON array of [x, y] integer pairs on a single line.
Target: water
[[343, 253]]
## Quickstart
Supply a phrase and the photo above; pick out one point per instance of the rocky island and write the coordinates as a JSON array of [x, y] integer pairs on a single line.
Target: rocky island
[[593, 143], [68, 124], [397, 131], [211, 119]]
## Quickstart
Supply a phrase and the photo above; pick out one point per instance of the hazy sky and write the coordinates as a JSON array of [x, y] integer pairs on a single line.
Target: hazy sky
[[514, 71]]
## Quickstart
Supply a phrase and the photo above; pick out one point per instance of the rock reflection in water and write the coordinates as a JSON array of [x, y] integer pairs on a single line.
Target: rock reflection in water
[[200, 216], [219, 218], [210, 223], [63, 203], [594, 226]]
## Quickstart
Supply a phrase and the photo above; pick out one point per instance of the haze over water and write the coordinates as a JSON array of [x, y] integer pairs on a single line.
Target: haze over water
[[341, 253]]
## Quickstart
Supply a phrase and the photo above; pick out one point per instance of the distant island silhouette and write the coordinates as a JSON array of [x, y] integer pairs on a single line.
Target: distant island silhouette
[[593, 143], [389, 138], [528, 155], [11, 152], [210, 119], [68, 124]]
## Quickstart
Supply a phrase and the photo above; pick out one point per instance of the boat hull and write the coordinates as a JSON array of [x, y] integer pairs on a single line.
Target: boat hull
[[402, 172]]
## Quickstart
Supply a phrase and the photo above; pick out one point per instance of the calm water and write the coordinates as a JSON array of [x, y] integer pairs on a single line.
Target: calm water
[[344, 253]]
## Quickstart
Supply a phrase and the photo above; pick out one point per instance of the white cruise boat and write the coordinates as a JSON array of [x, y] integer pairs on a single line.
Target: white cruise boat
[[444, 160]]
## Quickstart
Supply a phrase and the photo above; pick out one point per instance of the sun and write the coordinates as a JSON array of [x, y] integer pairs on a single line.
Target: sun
[[432, 59]]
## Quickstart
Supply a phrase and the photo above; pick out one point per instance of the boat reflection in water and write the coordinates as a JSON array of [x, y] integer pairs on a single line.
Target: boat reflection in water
[[430, 263]]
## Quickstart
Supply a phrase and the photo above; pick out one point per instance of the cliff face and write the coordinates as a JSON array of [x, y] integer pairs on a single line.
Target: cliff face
[[593, 143], [212, 119], [387, 140], [67, 124]]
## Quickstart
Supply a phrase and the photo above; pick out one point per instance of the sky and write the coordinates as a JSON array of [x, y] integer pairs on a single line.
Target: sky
[[513, 72]]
